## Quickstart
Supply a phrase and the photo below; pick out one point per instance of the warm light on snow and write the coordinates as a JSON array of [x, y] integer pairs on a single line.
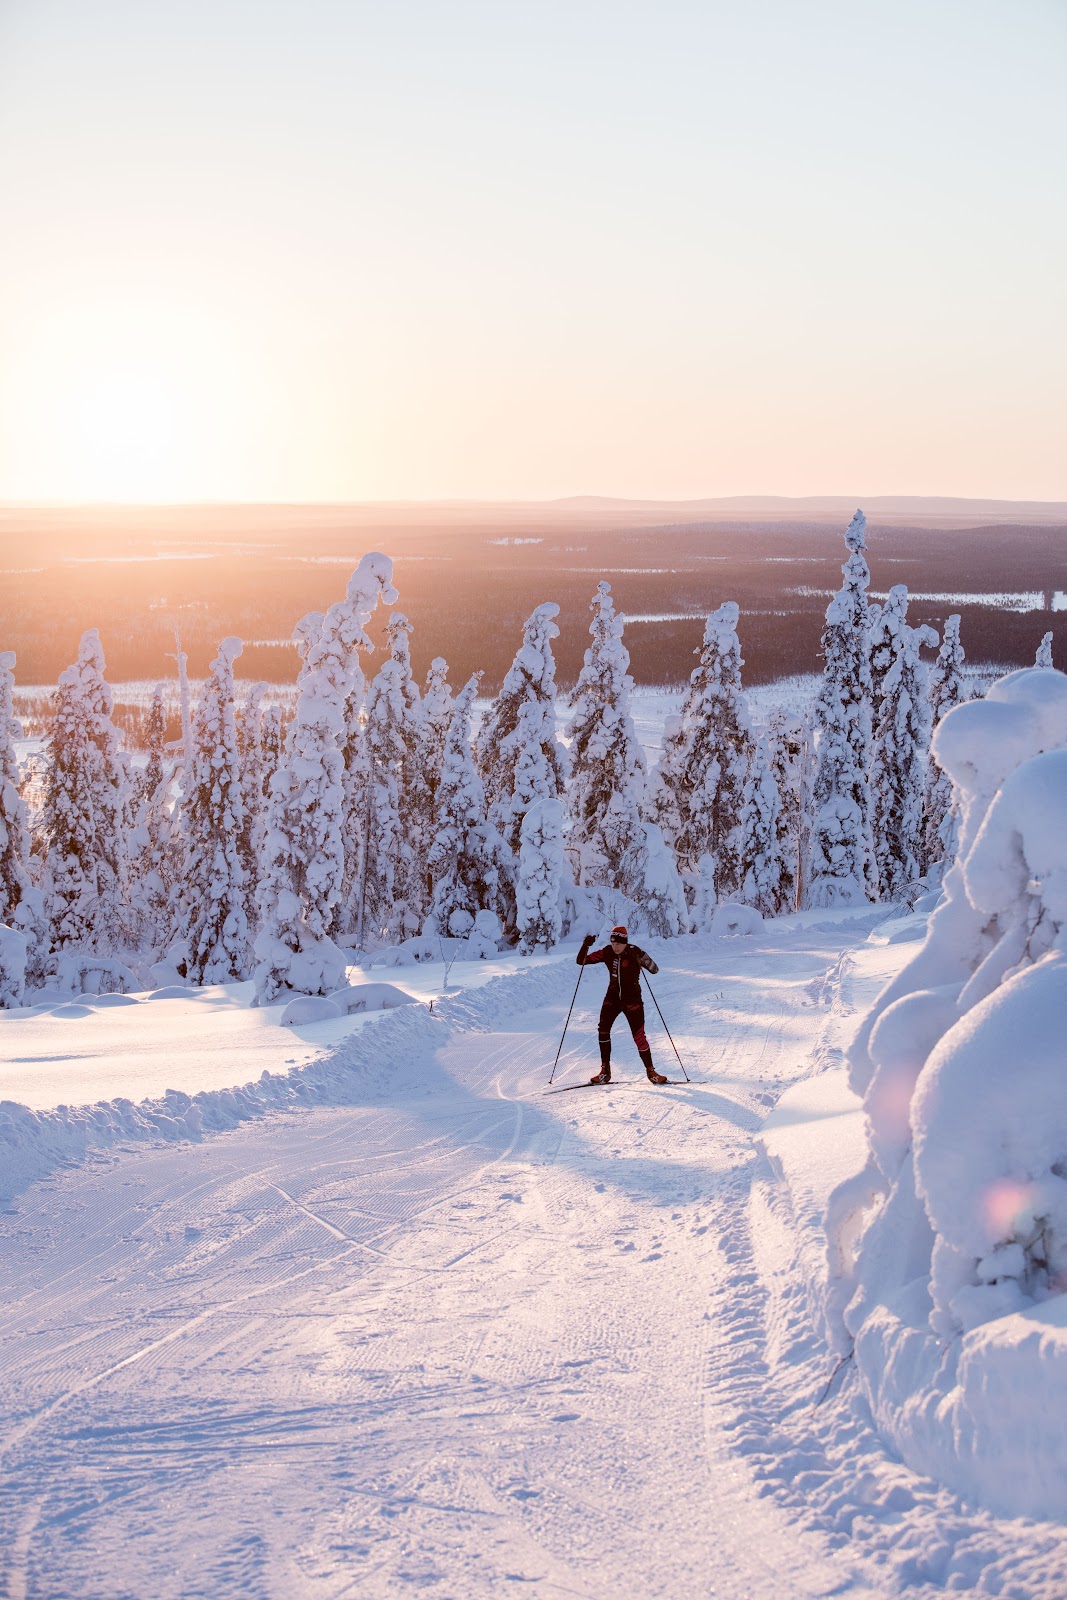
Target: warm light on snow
[[1005, 1207]]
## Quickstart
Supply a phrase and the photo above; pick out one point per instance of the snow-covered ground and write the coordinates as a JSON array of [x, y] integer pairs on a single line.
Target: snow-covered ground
[[404, 1322]]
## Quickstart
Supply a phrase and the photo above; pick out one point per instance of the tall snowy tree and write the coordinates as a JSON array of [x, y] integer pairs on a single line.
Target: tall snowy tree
[[764, 875], [155, 851], [469, 864], [519, 756], [1043, 656], [14, 827], [539, 877], [901, 740], [607, 762], [437, 708], [391, 878], [790, 741], [883, 625], [84, 876], [707, 767], [947, 688], [211, 920], [305, 854], [841, 868], [21, 905]]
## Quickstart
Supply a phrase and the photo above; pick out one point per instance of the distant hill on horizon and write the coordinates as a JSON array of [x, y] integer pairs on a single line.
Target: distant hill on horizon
[[589, 512]]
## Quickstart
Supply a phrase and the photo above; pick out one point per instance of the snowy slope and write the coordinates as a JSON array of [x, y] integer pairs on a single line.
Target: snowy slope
[[422, 1326]]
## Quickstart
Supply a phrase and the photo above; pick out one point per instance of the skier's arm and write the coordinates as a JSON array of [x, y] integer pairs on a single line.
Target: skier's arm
[[584, 951], [647, 962]]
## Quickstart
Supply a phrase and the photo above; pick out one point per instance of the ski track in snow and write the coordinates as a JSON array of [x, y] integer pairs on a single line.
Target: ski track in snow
[[457, 1335]]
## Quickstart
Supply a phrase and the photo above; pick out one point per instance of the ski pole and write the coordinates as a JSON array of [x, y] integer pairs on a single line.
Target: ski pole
[[666, 1030], [567, 1024]]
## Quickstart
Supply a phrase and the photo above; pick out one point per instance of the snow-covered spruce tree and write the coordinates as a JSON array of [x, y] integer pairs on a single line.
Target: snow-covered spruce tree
[[764, 876], [717, 751], [155, 851], [470, 867], [607, 762], [650, 878], [898, 760], [791, 763], [84, 874], [539, 877], [883, 626], [391, 883], [946, 689], [211, 921], [437, 708], [14, 828], [23, 943], [841, 869], [304, 863], [1043, 656], [519, 756]]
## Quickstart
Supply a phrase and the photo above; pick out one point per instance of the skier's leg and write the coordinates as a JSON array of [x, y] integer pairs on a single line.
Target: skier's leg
[[635, 1016], [608, 1012]]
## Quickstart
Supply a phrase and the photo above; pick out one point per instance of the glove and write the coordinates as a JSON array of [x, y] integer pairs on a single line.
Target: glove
[[588, 941]]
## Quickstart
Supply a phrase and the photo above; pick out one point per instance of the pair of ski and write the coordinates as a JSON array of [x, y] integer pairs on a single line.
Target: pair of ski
[[624, 1083]]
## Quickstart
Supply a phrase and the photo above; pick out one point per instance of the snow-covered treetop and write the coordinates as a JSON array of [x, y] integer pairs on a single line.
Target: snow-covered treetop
[[229, 650], [856, 533], [533, 661]]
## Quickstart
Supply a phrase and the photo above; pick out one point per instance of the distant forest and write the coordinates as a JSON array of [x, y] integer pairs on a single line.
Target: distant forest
[[467, 588]]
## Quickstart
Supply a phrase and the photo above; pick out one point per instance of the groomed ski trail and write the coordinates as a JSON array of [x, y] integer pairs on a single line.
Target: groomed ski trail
[[451, 1338]]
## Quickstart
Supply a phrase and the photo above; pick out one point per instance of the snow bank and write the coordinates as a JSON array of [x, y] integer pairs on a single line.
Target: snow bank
[[33, 1143], [948, 1242]]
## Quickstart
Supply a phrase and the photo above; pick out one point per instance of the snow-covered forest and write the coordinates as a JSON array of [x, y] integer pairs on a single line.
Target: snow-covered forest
[[378, 821]]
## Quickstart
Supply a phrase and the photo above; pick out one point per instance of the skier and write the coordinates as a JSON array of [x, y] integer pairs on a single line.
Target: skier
[[624, 962]]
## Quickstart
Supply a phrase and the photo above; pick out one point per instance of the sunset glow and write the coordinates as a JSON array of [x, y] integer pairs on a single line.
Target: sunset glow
[[519, 252]]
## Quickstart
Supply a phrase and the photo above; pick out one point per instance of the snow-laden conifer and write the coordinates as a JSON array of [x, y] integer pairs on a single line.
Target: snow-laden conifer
[[650, 878], [901, 741], [24, 948], [790, 741], [764, 877], [519, 756], [211, 920], [947, 688], [84, 875], [154, 847], [709, 770], [305, 857], [391, 881], [1043, 655], [841, 869], [607, 762], [539, 877], [469, 864], [12, 968], [14, 826]]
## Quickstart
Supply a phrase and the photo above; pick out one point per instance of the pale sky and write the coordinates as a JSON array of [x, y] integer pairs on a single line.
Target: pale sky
[[334, 250]]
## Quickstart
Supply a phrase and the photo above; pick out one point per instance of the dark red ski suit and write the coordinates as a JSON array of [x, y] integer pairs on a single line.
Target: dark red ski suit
[[624, 994]]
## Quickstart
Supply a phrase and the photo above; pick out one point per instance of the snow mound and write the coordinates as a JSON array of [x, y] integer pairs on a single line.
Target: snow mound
[[370, 997], [309, 1008], [731, 920]]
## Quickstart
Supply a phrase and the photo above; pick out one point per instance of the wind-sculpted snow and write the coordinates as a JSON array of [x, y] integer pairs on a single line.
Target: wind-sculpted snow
[[33, 1143], [950, 1245]]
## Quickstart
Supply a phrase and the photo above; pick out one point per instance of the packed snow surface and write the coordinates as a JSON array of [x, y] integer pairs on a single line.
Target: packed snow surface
[[405, 1322]]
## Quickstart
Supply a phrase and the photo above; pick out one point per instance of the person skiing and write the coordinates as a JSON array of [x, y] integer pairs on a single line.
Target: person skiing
[[624, 962]]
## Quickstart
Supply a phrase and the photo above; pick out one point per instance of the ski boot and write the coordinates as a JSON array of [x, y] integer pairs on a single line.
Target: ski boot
[[603, 1076], [650, 1071]]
